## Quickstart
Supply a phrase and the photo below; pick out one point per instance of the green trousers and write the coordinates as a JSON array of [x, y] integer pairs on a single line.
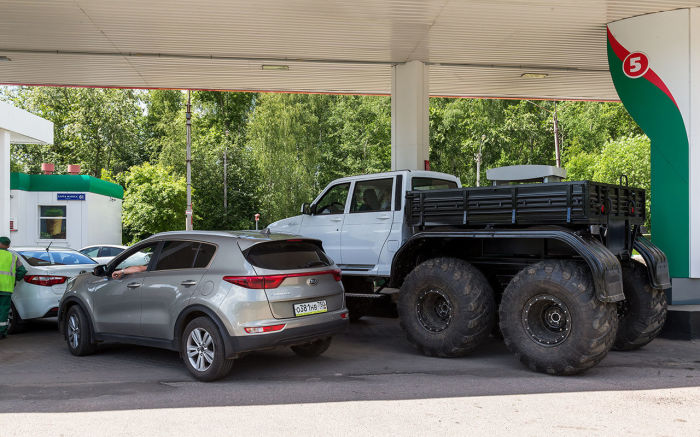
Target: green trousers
[[5, 299]]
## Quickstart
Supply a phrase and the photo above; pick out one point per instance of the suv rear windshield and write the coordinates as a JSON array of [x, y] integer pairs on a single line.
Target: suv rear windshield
[[425, 184], [54, 258], [287, 255]]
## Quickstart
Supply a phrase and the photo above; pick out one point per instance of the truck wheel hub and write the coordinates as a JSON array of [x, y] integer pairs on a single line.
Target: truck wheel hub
[[434, 310], [547, 320]]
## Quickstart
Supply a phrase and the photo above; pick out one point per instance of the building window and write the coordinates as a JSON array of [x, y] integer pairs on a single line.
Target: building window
[[52, 222]]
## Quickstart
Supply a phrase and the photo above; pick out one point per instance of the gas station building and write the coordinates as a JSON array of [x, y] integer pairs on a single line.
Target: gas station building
[[643, 53]]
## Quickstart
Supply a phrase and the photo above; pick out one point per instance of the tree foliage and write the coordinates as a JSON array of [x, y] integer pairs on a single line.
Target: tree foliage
[[154, 201], [96, 128], [629, 156]]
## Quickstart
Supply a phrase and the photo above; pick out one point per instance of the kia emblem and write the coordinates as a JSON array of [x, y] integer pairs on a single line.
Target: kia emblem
[[312, 281]]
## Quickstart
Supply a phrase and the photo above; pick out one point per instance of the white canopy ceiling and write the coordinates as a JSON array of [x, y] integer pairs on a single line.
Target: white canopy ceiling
[[477, 48]]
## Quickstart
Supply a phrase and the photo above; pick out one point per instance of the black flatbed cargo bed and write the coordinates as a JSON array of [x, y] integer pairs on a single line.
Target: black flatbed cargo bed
[[560, 203]]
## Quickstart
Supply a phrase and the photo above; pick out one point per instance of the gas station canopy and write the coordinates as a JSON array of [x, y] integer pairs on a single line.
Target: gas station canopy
[[473, 48]]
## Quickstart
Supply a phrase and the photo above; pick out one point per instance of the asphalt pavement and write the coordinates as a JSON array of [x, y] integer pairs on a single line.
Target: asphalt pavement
[[370, 382]]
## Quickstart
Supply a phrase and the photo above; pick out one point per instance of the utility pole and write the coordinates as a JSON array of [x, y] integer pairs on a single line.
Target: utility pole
[[225, 174], [557, 149], [477, 158], [188, 159], [555, 120]]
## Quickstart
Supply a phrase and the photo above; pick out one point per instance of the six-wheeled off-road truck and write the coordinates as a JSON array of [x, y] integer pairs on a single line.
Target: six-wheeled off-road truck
[[551, 264]]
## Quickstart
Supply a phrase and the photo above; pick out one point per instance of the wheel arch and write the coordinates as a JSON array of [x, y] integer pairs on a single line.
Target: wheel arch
[[192, 312], [604, 266], [66, 304]]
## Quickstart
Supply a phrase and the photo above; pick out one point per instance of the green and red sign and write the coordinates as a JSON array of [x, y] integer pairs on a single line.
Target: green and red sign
[[646, 59]]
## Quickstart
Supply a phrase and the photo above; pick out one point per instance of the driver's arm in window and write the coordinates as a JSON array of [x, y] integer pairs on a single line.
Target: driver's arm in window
[[118, 274]]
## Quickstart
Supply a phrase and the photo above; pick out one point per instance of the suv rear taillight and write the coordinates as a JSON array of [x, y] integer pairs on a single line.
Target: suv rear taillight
[[274, 281], [45, 281]]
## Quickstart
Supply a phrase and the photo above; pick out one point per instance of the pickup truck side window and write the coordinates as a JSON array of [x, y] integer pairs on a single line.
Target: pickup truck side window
[[333, 202], [372, 196], [425, 184]]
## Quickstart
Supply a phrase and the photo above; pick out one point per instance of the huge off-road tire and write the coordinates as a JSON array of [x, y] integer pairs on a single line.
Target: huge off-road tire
[[446, 307], [552, 321], [643, 312], [202, 350]]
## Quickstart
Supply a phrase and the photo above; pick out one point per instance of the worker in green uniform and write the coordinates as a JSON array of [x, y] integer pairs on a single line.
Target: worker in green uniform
[[11, 270]]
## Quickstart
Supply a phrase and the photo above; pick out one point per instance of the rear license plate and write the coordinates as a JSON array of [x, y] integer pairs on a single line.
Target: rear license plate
[[304, 309]]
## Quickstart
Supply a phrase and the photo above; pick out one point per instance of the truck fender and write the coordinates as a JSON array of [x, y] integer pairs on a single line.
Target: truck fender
[[656, 261], [604, 266]]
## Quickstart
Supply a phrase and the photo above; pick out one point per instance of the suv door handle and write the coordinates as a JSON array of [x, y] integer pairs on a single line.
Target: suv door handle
[[336, 219], [384, 217], [188, 283], [133, 285]]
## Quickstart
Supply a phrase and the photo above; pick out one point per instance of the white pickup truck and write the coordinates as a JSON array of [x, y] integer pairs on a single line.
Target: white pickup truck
[[360, 218], [550, 261]]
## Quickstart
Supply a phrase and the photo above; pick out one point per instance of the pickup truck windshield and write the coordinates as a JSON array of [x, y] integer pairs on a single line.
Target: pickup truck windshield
[[425, 184]]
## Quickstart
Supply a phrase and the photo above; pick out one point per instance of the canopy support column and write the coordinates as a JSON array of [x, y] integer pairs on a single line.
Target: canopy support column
[[409, 116]]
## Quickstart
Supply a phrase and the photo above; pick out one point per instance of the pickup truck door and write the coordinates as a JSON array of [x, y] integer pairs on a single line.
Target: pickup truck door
[[327, 219], [367, 224]]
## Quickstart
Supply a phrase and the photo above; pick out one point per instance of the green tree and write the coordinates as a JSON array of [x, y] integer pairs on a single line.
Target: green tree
[[96, 128], [154, 201], [219, 122], [285, 135], [628, 156]]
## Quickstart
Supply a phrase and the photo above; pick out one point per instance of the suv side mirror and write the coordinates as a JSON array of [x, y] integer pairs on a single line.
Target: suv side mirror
[[99, 270], [305, 208], [312, 209]]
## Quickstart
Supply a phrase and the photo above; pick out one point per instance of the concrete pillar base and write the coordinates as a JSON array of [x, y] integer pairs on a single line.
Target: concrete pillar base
[[682, 322]]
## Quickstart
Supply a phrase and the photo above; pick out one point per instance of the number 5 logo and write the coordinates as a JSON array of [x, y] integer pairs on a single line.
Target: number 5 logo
[[635, 65]]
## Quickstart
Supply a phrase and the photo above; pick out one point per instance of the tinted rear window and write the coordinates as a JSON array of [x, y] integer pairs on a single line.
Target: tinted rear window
[[54, 258], [425, 184], [287, 255]]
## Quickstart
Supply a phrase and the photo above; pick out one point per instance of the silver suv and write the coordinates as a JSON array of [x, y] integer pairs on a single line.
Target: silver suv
[[211, 295]]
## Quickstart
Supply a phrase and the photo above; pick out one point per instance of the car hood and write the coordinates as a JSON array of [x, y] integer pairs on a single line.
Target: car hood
[[290, 225]]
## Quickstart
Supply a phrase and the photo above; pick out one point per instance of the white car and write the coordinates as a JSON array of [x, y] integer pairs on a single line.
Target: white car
[[48, 270], [102, 253]]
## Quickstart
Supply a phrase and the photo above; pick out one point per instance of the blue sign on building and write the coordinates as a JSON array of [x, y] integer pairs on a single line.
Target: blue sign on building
[[70, 196]]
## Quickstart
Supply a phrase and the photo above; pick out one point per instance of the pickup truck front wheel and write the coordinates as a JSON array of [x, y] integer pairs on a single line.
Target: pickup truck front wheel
[[552, 321], [446, 306]]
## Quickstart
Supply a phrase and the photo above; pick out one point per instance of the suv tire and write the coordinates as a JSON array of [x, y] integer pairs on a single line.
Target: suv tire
[[77, 333], [202, 350], [446, 307], [552, 321], [312, 349], [643, 312]]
